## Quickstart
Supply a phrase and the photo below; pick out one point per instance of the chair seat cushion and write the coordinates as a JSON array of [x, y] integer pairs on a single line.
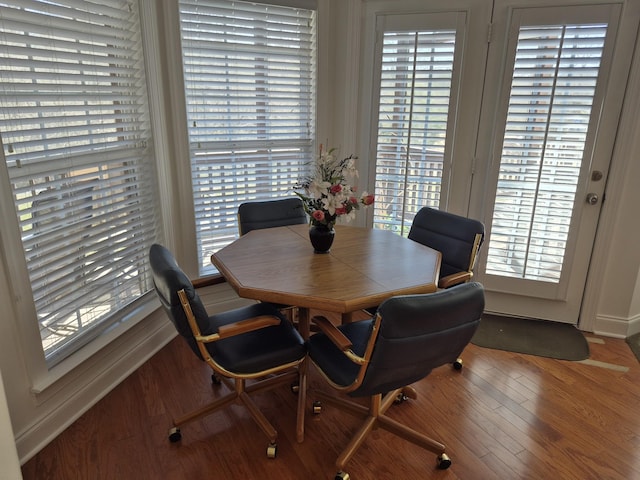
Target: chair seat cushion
[[336, 366], [256, 351]]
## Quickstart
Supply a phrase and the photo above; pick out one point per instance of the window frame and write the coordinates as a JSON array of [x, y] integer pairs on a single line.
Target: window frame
[[174, 170], [43, 374]]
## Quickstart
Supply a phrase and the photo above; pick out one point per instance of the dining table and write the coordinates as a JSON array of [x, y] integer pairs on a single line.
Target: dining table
[[363, 267]]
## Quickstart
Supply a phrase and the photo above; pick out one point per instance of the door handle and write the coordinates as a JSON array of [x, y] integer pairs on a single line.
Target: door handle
[[592, 198]]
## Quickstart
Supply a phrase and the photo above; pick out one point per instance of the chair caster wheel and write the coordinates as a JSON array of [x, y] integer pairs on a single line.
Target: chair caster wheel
[[400, 398], [175, 435], [342, 476], [457, 365], [272, 449], [410, 392], [317, 407], [405, 394], [444, 462]]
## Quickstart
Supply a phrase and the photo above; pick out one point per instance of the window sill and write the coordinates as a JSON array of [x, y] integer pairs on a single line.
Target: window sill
[[122, 341], [96, 352]]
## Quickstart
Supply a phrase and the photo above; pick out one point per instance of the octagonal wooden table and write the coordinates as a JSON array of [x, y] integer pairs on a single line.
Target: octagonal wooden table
[[363, 268]]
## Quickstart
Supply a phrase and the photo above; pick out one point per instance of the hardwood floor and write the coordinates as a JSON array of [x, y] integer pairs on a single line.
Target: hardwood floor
[[504, 416]]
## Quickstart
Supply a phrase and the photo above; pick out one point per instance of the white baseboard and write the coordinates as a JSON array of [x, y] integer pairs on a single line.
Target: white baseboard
[[616, 327]]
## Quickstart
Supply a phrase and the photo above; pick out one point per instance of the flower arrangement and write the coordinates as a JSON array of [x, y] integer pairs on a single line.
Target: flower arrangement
[[328, 193]]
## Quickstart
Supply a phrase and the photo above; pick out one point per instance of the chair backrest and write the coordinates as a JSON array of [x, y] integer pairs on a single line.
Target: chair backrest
[[168, 280], [417, 333], [452, 235], [270, 213]]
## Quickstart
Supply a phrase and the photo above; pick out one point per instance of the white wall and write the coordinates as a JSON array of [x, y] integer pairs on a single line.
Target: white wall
[[8, 452], [616, 261], [618, 310]]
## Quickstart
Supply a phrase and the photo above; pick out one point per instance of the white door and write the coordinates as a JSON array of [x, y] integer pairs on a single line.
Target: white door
[[554, 88], [506, 113]]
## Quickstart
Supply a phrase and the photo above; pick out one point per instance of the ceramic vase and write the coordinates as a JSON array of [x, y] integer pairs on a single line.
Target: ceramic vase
[[321, 237]]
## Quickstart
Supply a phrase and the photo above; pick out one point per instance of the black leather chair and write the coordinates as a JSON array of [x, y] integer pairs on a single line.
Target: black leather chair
[[379, 358], [250, 349], [457, 238], [270, 213]]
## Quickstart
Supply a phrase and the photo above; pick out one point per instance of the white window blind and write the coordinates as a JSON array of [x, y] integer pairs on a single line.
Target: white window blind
[[74, 126], [415, 89], [552, 91], [249, 73]]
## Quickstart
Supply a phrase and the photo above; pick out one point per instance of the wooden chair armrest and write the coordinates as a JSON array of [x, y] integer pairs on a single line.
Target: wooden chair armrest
[[454, 279], [240, 327], [337, 338], [207, 281], [330, 330]]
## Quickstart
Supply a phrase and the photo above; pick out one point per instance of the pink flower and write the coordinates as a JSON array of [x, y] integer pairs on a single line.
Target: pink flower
[[341, 211], [335, 188], [367, 199], [353, 200], [318, 215]]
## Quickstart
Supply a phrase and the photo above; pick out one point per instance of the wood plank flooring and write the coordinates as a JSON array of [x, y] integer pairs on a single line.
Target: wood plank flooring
[[504, 416]]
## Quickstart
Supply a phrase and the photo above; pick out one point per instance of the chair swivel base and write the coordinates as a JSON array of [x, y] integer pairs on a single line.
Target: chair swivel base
[[375, 417], [240, 393]]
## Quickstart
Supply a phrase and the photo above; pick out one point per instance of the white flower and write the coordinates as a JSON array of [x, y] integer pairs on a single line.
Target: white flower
[[316, 189], [328, 194]]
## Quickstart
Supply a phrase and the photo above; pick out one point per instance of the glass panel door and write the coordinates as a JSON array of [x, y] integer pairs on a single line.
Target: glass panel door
[[548, 124], [415, 94], [506, 113], [553, 86]]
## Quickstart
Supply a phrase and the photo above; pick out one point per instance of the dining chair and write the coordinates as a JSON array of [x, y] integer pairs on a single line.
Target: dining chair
[[379, 358], [457, 238], [268, 214], [251, 349]]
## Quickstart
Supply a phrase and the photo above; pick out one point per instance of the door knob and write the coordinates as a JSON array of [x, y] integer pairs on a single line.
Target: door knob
[[592, 198]]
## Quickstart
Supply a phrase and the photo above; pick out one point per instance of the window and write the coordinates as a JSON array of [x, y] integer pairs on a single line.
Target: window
[[552, 92], [415, 91], [76, 138], [249, 73]]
